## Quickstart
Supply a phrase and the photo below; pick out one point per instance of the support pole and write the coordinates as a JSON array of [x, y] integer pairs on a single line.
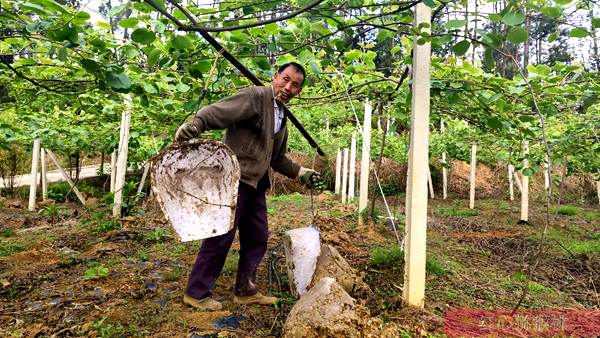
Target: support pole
[[44, 175], [473, 174], [113, 170], [143, 180], [547, 175], [517, 181], [525, 189], [66, 176], [33, 178], [598, 191], [122, 159], [365, 163], [416, 197], [511, 189], [352, 177], [444, 169], [430, 183], [345, 176], [338, 171]]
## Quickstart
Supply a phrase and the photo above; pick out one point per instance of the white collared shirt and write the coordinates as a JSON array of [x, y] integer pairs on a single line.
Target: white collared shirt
[[278, 115]]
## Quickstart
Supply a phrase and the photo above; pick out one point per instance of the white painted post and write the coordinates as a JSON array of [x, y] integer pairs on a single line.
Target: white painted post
[[416, 197], [352, 177], [66, 176], [511, 189], [525, 189], [44, 175], [122, 159], [143, 180], [365, 162], [113, 170], [517, 181], [33, 178], [345, 176], [444, 169], [473, 173], [430, 183], [547, 175], [338, 171]]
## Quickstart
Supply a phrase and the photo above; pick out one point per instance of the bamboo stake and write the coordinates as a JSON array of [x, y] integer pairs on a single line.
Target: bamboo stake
[[33, 178], [345, 176], [430, 183], [113, 170], [365, 163], [416, 197], [338, 171], [352, 177], [122, 159], [444, 169], [517, 180], [473, 173], [143, 180], [525, 191], [511, 189], [44, 175], [66, 176]]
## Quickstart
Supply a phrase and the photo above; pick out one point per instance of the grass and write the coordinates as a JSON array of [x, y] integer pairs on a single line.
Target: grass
[[7, 232], [453, 211], [231, 262], [571, 241], [296, 199], [592, 216], [385, 255], [433, 266], [8, 249], [567, 210]]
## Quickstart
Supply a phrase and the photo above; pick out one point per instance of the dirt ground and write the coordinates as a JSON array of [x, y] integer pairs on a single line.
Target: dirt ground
[[70, 270]]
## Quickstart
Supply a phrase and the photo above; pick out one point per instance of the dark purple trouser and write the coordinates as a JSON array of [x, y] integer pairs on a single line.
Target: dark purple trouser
[[251, 219]]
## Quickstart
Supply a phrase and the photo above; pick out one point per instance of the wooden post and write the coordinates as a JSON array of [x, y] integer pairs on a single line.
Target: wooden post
[[352, 177], [122, 159], [525, 188], [547, 176], [143, 180], [66, 176], [338, 171], [430, 183], [44, 175], [517, 181], [365, 163], [33, 178], [416, 196], [511, 189], [473, 174], [444, 169], [345, 176], [113, 170]]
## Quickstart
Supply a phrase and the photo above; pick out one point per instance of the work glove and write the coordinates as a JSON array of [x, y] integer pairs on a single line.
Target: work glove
[[309, 177], [186, 132]]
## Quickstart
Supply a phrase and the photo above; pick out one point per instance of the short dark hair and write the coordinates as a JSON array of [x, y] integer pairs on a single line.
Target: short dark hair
[[295, 65]]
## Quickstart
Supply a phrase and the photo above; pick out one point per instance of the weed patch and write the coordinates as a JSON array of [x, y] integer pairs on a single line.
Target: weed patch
[[433, 266], [385, 255], [567, 210], [157, 235], [8, 232], [7, 249], [296, 199], [96, 271], [453, 211]]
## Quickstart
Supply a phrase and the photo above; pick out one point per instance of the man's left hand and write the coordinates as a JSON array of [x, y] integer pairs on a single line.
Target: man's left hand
[[310, 177]]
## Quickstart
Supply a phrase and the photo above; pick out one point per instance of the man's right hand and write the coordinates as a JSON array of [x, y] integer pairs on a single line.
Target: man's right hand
[[186, 132]]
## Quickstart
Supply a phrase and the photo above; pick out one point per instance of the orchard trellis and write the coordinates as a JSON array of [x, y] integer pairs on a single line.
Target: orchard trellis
[[65, 85]]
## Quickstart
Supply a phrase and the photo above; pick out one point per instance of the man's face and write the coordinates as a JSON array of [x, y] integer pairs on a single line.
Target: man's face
[[287, 84]]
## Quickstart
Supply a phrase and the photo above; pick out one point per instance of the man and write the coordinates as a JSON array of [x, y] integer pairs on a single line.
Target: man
[[257, 134]]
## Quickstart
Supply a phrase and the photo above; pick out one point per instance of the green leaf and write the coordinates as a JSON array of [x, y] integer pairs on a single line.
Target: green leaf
[[197, 69], [271, 28], [143, 36], [528, 172], [62, 54], [90, 65], [129, 22], [578, 32], [562, 2], [429, 3], [262, 63], [455, 24], [116, 11], [513, 18], [118, 80], [69, 33], [352, 55], [552, 37], [181, 42], [182, 87], [494, 123], [517, 35], [153, 57], [395, 49], [552, 12], [595, 22], [131, 52], [461, 48], [149, 88]]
